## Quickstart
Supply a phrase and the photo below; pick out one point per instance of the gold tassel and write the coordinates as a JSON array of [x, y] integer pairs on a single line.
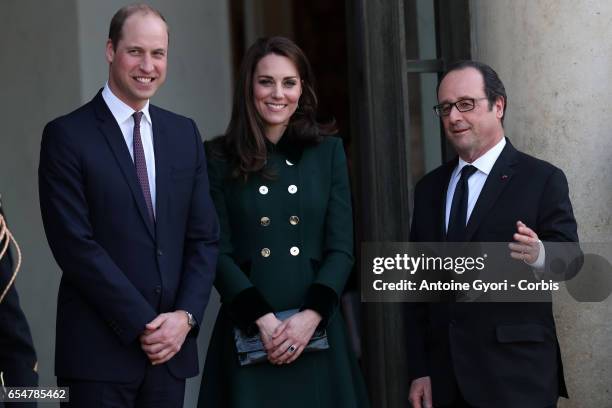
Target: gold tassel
[[5, 239]]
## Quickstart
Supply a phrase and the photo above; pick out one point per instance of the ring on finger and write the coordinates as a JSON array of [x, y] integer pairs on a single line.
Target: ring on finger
[[292, 348]]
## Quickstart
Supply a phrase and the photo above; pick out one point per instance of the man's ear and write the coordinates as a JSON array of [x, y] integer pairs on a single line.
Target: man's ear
[[500, 104], [110, 51]]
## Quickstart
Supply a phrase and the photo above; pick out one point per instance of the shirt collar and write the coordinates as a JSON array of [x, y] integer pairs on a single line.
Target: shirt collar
[[485, 162], [120, 110]]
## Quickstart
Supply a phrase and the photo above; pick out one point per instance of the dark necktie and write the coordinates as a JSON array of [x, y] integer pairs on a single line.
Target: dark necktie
[[141, 165], [458, 213]]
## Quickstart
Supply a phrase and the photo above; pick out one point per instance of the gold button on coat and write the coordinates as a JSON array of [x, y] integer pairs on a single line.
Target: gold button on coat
[[265, 221], [263, 190], [265, 252], [294, 220], [295, 251], [292, 189]]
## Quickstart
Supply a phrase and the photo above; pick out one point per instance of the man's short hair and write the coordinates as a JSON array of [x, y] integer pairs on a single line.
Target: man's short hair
[[493, 86], [116, 25]]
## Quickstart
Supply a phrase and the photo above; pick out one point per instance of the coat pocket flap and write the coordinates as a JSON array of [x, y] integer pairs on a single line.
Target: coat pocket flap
[[530, 332]]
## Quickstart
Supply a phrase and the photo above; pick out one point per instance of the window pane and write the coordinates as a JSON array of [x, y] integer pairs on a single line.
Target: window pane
[[425, 136], [420, 29]]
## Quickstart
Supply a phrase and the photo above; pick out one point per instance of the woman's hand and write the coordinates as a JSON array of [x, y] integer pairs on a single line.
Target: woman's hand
[[292, 336], [267, 325]]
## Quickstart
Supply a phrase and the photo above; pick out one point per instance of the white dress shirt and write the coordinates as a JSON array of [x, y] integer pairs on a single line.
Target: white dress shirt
[[123, 115], [483, 164]]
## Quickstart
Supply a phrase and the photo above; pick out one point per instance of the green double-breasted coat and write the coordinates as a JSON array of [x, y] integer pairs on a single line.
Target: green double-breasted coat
[[285, 243]]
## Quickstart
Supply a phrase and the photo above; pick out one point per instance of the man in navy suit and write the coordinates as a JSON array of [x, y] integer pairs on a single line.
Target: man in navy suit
[[127, 213], [489, 354]]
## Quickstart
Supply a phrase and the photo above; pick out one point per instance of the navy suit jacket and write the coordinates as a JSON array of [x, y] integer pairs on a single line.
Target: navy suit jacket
[[120, 269], [17, 354], [501, 354]]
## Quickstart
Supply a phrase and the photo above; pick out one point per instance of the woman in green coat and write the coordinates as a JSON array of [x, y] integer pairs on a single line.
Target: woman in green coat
[[281, 190]]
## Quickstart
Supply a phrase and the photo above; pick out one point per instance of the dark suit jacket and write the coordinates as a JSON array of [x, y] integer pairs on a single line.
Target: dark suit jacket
[[503, 354], [120, 269], [17, 354]]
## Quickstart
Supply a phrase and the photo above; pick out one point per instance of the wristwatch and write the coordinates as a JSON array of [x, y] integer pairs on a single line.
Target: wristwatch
[[191, 321]]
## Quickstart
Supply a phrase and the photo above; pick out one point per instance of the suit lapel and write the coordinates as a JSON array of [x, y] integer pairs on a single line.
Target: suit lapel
[[109, 127], [498, 179], [162, 166], [444, 181]]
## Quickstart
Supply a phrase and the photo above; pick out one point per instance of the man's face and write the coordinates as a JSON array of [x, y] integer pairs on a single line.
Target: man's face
[[474, 132], [138, 64]]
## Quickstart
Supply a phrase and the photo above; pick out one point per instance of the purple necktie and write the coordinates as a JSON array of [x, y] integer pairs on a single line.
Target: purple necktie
[[141, 164]]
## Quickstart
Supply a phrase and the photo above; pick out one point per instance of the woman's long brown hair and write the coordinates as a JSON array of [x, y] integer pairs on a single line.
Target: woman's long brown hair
[[244, 142]]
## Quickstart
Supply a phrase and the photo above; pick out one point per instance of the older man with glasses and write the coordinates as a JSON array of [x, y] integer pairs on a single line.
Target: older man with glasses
[[487, 354]]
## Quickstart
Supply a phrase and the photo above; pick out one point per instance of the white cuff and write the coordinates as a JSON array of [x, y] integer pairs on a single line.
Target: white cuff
[[538, 264]]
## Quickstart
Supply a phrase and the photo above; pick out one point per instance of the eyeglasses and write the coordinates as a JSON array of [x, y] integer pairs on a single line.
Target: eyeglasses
[[462, 105]]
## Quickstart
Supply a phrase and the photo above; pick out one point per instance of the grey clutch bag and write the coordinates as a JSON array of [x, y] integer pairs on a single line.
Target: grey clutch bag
[[250, 349]]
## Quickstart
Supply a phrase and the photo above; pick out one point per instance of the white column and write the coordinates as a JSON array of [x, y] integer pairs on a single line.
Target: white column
[[555, 59]]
